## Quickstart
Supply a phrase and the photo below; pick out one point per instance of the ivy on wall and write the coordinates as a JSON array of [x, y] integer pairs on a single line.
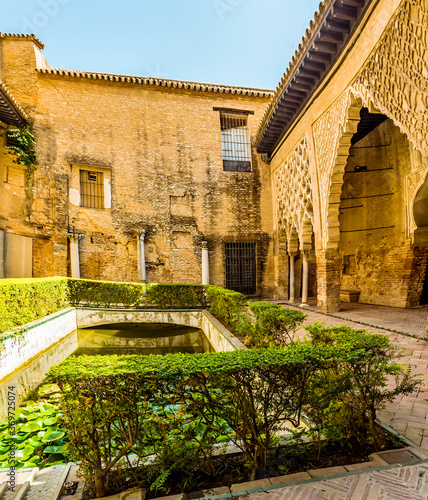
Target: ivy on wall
[[22, 147]]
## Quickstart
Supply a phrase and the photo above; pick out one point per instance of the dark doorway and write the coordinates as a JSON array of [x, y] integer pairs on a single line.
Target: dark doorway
[[241, 267], [424, 295]]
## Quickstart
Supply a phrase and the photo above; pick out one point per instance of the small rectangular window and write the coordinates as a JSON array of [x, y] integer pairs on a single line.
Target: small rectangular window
[[91, 189], [241, 267], [235, 141]]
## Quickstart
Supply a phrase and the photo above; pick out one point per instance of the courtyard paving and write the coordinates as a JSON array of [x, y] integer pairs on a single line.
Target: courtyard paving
[[408, 415]]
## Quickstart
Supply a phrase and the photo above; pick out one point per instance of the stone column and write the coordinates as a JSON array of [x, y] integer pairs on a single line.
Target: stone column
[[1, 254], [74, 254], [328, 280], [292, 278], [205, 264], [141, 258], [305, 279]]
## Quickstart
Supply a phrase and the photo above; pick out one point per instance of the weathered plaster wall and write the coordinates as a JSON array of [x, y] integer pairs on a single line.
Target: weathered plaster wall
[[25, 361]]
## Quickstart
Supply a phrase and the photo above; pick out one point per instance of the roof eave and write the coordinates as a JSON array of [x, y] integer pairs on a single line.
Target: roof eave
[[10, 111], [326, 39], [159, 82]]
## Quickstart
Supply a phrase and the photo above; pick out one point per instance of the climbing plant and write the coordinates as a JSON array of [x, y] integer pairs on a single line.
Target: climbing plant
[[22, 147]]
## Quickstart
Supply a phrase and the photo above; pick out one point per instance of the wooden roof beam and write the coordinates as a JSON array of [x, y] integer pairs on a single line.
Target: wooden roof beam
[[331, 36], [319, 57], [325, 47], [345, 13], [337, 26]]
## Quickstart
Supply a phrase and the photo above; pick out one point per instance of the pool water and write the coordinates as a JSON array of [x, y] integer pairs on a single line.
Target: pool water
[[146, 338]]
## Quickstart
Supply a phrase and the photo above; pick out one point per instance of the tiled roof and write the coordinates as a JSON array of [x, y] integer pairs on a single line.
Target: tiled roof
[[324, 40], [10, 111], [160, 82], [32, 37]]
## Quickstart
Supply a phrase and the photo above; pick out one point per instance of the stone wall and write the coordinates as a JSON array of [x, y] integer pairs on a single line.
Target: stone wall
[[159, 149]]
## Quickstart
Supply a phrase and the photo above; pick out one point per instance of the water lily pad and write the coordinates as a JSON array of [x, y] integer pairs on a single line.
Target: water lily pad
[[33, 426], [51, 420], [21, 436], [24, 454], [52, 435], [56, 457], [54, 449], [35, 441], [48, 409]]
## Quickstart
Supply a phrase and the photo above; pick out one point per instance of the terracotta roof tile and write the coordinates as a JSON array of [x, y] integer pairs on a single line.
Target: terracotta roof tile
[[33, 37], [293, 74], [160, 82]]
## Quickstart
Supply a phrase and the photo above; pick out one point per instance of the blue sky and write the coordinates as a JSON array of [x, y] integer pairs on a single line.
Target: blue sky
[[235, 42]]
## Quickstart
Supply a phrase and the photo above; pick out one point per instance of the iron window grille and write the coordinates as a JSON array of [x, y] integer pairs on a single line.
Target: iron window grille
[[241, 267], [91, 189], [235, 142]]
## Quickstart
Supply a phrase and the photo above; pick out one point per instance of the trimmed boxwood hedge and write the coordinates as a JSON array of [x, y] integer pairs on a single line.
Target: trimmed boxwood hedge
[[105, 293], [178, 405], [28, 299], [115, 406]]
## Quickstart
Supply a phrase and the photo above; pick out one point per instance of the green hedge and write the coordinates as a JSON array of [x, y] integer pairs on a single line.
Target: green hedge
[[226, 305], [106, 293], [115, 406], [179, 406], [182, 296], [274, 325], [26, 300]]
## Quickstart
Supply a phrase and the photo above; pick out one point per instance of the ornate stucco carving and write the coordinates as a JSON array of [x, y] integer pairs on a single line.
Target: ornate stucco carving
[[332, 134], [294, 195], [395, 78]]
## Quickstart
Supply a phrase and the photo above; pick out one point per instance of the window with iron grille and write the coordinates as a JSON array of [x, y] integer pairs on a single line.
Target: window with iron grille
[[91, 189], [235, 142], [241, 267]]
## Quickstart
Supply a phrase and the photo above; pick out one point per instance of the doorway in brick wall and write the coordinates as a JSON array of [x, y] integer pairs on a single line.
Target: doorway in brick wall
[[241, 267], [424, 294]]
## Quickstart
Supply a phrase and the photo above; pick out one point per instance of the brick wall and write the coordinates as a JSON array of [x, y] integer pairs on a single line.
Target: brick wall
[[161, 148], [377, 256]]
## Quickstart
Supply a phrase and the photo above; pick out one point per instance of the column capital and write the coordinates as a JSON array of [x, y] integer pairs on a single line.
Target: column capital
[[75, 236], [204, 245], [292, 254], [141, 233]]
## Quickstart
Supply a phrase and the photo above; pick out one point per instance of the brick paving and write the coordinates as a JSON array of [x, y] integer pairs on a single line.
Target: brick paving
[[408, 321], [400, 483], [45, 483], [407, 415]]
